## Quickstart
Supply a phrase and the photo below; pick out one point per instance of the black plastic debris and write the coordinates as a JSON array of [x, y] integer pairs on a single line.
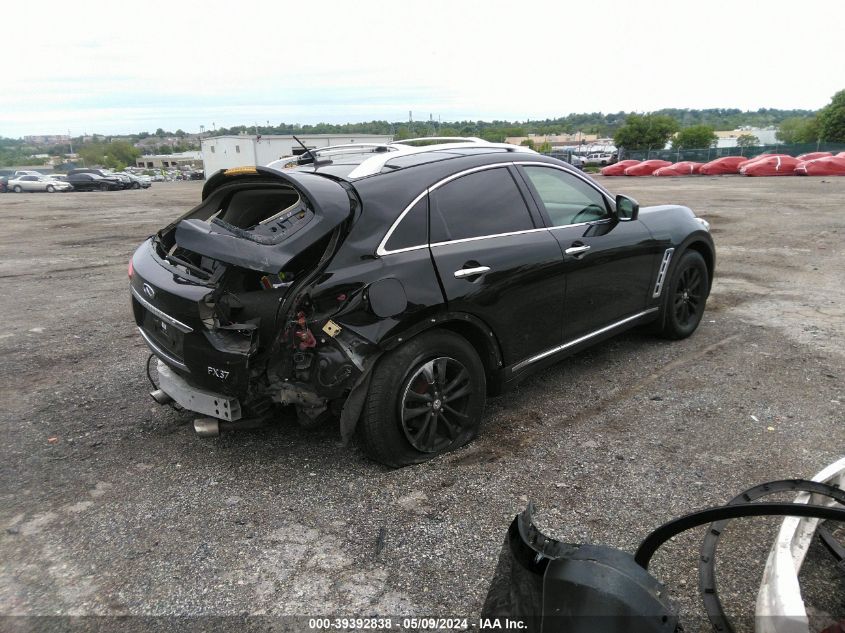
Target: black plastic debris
[[555, 587]]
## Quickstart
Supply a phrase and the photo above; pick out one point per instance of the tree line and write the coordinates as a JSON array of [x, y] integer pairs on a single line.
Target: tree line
[[688, 128]]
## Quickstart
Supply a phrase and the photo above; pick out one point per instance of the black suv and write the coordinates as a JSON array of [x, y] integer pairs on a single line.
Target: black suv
[[394, 287]]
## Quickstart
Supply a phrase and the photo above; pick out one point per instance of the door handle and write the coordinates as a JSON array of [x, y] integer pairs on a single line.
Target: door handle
[[575, 251], [463, 273]]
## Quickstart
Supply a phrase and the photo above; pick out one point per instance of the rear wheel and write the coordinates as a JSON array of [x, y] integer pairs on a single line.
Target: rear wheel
[[50, 188], [686, 296], [104, 187], [425, 398]]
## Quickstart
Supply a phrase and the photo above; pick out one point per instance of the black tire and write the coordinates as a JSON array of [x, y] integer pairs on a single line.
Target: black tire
[[686, 296], [104, 187], [17, 189], [50, 188], [136, 185], [422, 372]]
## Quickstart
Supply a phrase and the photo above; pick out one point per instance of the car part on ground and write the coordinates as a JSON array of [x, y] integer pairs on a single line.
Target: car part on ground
[[552, 586], [779, 597], [398, 285], [646, 168]]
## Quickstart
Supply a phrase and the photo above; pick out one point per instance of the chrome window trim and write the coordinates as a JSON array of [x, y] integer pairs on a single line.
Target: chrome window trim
[[661, 274], [381, 250], [186, 329], [580, 339], [161, 353], [487, 237]]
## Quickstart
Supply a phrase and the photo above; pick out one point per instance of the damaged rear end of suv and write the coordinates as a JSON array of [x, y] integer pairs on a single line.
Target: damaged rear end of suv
[[221, 297], [390, 288]]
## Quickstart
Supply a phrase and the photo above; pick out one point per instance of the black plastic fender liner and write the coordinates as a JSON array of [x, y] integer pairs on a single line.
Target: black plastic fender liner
[[666, 531], [555, 587], [707, 560]]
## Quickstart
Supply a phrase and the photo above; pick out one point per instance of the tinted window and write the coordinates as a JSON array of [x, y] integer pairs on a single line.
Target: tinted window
[[567, 198], [413, 229], [484, 203]]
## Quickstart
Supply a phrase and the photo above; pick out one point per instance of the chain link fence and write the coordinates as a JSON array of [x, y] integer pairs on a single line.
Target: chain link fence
[[711, 153]]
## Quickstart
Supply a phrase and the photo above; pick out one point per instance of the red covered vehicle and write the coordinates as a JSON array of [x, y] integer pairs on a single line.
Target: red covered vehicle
[[646, 168], [775, 165], [724, 165], [761, 157], [813, 155], [618, 169], [684, 168], [825, 166]]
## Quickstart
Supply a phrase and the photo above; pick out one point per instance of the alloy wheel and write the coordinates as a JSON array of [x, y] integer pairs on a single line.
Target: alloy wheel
[[688, 296], [434, 404]]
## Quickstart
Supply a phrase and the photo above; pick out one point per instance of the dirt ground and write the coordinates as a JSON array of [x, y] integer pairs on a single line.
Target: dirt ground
[[111, 505]]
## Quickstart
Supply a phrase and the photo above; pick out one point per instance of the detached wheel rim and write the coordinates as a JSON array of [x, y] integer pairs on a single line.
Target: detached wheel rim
[[688, 296], [434, 404]]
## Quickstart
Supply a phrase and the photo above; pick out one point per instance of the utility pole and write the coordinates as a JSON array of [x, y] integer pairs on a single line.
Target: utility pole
[[70, 140]]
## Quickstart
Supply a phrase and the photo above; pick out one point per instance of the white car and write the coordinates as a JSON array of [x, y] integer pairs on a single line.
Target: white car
[[28, 182], [598, 158]]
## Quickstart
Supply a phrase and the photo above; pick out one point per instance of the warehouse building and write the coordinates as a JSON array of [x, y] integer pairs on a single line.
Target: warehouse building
[[222, 152], [181, 160]]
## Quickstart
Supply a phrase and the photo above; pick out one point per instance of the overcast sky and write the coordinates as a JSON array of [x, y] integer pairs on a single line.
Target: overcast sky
[[99, 67]]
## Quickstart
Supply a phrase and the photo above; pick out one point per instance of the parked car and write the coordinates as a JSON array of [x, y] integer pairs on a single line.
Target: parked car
[[27, 172], [93, 182], [4, 181], [30, 183], [394, 291], [599, 158], [125, 182], [135, 182]]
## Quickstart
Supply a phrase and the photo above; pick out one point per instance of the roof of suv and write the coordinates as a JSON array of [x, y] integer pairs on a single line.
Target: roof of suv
[[356, 161]]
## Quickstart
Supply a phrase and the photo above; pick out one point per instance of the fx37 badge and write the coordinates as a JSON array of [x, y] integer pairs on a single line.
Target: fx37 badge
[[222, 374]]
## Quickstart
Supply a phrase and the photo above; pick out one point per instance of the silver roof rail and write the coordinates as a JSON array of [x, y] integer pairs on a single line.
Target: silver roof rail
[[375, 164], [446, 139]]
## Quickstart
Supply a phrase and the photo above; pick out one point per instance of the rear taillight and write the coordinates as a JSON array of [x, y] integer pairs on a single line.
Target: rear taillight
[[130, 270]]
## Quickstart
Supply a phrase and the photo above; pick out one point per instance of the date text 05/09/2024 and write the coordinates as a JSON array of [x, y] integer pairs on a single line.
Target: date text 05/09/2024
[[414, 624]]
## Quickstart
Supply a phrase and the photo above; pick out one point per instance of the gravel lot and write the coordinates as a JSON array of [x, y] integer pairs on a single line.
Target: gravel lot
[[127, 512]]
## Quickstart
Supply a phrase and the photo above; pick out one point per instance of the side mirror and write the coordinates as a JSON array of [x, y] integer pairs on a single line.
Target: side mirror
[[627, 209]]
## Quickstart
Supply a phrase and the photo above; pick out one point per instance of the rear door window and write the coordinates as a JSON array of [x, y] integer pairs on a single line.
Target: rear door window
[[479, 204]]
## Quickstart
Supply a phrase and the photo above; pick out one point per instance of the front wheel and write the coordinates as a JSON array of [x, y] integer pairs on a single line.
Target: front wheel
[[425, 398], [136, 185], [686, 296], [18, 189], [104, 187], [50, 188]]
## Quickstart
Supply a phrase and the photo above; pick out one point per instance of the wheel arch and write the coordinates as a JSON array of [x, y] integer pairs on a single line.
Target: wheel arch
[[475, 331], [706, 251]]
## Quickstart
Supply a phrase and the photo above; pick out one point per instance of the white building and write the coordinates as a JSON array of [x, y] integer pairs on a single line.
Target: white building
[[223, 152], [188, 160]]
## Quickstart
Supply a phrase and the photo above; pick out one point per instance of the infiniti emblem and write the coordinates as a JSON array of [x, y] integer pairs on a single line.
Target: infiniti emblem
[[148, 290]]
